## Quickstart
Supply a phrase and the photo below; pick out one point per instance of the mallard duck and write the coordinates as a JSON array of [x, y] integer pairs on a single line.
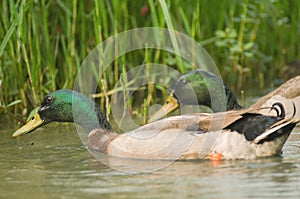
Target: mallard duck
[[199, 82], [223, 135], [199, 87]]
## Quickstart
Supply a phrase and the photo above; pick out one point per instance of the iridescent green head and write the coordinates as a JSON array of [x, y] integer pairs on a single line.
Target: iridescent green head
[[198, 87], [66, 106]]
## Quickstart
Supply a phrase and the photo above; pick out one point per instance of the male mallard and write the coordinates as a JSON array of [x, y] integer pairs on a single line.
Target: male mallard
[[199, 87], [199, 82], [223, 135]]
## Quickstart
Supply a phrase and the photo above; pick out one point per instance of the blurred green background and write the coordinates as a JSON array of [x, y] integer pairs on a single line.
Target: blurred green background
[[43, 43]]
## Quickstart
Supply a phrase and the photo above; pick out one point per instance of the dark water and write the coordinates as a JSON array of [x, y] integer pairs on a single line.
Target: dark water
[[52, 163]]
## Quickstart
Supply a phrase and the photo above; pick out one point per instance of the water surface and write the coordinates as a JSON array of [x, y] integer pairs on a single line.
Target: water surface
[[52, 163]]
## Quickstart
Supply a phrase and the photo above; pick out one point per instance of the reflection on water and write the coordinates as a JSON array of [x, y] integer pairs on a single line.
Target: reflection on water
[[52, 163]]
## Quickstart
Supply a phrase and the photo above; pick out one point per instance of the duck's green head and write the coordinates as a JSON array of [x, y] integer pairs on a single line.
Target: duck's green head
[[193, 87], [198, 87], [66, 106]]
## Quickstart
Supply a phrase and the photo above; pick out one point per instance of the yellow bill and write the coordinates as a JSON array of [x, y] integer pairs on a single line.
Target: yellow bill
[[34, 123], [170, 105]]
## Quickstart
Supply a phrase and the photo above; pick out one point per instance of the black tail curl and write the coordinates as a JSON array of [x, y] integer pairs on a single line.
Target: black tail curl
[[279, 108], [252, 125]]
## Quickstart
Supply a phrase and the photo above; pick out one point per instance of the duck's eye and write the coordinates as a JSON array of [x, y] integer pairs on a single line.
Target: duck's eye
[[183, 82], [48, 100]]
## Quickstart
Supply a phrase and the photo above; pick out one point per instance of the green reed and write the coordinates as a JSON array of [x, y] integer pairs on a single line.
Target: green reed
[[43, 43]]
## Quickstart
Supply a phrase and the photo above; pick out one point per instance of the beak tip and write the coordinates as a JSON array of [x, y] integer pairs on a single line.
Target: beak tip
[[16, 134], [29, 126]]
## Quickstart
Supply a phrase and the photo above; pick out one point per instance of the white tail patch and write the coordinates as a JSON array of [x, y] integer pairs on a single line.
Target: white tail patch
[[272, 130]]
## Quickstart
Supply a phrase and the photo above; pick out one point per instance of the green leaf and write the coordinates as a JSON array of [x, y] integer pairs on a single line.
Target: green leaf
[[249, 45], [220, 33], [14, 103], [159, 87], [236, 48], [221, 43], [232, 33], [7, 36], [248, 54]]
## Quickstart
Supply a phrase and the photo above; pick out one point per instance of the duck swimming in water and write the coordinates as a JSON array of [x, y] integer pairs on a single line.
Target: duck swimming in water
[[225, 135], [200, 87]]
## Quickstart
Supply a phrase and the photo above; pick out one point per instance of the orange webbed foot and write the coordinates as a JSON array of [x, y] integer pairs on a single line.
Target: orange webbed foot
[[215, 158]]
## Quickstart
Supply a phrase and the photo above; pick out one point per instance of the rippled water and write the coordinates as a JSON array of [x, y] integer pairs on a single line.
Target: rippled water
[[52, 163]]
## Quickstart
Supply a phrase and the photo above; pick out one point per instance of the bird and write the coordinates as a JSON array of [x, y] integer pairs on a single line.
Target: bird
[[198, 87], [235, 134]]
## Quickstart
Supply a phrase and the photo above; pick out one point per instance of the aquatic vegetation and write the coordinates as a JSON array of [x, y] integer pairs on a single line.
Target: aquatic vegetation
[[43, 43]]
